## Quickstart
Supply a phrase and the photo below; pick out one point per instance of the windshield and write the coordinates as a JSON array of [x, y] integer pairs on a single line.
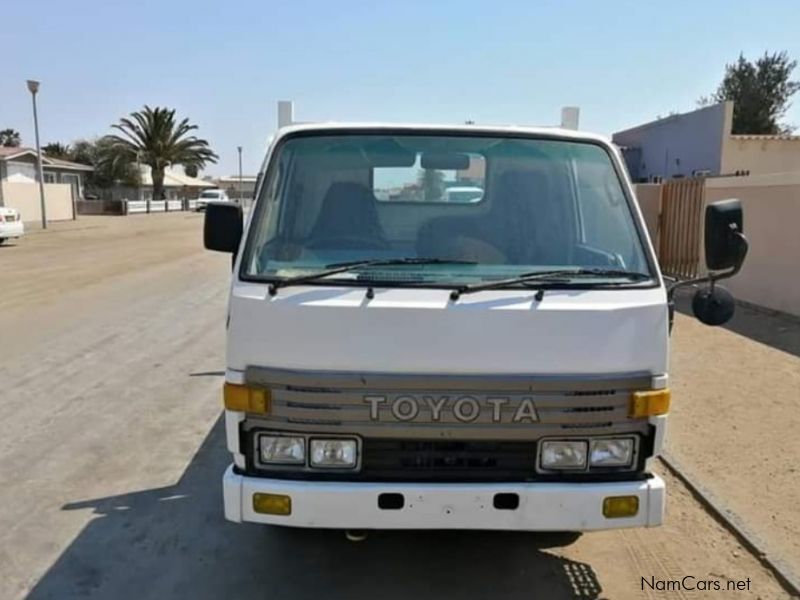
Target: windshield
[[497, 207], [210, 195]]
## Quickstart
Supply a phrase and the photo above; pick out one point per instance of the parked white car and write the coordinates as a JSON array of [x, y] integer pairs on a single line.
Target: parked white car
[[211, 196], [463, 194], [10, 224]]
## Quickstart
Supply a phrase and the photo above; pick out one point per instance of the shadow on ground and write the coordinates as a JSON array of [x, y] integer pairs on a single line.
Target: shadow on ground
[[173, 542], [778, 330]]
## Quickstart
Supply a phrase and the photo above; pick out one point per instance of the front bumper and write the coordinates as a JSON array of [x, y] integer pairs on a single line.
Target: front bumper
[[13, 229], [354, 505]]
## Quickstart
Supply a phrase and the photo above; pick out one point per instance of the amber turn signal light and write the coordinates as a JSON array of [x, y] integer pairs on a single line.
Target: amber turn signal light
[[246, 399], [272, 504], [615, 507], [649, 403]]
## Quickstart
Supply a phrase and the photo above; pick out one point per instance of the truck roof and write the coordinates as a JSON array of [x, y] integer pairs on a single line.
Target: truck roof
[[333, 127]]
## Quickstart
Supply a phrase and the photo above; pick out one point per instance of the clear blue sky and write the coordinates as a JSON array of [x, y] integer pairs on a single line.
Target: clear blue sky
[[225, 64]]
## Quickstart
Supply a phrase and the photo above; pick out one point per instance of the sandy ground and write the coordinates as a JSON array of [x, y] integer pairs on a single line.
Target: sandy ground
[[111, 358], [735, 421]]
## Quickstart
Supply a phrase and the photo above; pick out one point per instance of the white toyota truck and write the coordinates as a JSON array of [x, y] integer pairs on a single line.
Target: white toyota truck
[[399, 360]]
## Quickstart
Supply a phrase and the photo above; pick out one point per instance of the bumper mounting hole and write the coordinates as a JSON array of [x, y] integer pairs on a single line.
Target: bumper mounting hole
[[389, 501], [506, 501]]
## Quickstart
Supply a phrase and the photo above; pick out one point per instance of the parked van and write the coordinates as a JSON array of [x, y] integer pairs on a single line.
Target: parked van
[[493, 364]]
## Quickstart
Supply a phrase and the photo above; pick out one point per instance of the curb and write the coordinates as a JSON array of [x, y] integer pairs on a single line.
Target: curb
[[733, 523]]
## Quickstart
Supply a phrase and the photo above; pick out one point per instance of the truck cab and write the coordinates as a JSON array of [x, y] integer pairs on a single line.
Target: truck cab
[[398, 359]]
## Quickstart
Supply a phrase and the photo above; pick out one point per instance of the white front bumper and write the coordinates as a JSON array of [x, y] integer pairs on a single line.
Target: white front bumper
[[11, 229], [354, 505]]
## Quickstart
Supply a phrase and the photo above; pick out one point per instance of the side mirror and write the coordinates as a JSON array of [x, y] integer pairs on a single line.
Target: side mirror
[[713, 305], [726, 249], [222, 229], [725, 243]]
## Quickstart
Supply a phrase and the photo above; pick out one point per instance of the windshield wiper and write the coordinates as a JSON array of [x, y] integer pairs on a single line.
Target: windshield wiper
[[344, 267], [553, 276]]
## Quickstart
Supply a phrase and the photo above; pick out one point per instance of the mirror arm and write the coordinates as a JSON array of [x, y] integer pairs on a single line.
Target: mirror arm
[[712, 278]]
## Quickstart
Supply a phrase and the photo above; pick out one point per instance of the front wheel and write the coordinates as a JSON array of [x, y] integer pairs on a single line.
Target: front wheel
[[2, 240]]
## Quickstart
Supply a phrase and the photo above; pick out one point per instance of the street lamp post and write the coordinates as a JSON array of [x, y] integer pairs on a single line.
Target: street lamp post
[[33, 88], [139, 180], [241, 188]]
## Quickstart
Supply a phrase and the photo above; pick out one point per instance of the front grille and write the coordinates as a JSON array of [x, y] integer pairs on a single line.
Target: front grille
[[445, 460], [464, 461]]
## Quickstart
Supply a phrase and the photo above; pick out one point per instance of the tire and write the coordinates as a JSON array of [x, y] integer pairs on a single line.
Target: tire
[[2, 240], [556, 539]]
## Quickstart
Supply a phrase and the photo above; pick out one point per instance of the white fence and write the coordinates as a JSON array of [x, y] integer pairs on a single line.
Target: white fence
[[140, 206]]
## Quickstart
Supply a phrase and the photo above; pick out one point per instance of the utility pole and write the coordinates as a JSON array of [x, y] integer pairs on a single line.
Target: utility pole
[[33, 88], [139, 180]]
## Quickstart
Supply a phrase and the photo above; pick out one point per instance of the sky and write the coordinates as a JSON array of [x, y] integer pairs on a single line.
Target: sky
[[226, 64]]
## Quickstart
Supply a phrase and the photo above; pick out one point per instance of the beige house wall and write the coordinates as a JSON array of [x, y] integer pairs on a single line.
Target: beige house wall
[[25, 198], [760, 156], [771, 206]]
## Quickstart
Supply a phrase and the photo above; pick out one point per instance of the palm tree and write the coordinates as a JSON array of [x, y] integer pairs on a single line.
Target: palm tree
[[10, 138], [432, 183], [57, 150], [155, 138]]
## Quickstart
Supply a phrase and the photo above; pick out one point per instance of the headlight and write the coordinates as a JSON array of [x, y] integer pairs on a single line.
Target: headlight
[[611, 453], [563, 454], [285, 450], [334, 454]]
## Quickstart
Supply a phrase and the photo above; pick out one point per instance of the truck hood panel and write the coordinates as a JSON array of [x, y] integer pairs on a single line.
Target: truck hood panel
[[582, 332]]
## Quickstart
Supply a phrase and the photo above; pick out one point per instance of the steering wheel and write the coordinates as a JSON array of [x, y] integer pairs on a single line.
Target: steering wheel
[[346, 242]]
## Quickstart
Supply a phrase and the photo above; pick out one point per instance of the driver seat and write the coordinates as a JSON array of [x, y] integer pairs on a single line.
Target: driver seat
[[348, 211]]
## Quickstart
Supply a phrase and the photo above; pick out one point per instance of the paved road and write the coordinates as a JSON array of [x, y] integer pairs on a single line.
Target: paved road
[[111, 352]]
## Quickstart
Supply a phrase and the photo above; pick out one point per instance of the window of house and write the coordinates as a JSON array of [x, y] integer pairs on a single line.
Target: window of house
[[20, 172]]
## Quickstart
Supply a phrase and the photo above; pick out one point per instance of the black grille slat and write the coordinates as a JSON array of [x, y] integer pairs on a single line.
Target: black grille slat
[[445, 459]]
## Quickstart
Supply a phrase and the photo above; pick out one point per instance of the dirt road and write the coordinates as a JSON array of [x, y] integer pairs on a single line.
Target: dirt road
[[111, 359], [735, 421]]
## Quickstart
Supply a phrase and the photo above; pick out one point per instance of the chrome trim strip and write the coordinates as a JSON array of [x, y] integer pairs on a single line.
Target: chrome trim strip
[[339, 380]]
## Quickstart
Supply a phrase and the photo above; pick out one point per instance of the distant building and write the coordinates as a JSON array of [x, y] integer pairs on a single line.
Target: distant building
[[474, 174], [701, 143], [177, 186], [234, 189], [18, 165], [19, 186]]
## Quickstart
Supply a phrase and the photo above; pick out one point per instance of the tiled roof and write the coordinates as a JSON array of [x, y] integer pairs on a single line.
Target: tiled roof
[[235, 179], [7, 153], [175, 179], [779, 136], [58, 162]]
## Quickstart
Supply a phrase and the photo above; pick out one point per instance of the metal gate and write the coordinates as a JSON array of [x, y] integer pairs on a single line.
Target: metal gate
[[681, 227]]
